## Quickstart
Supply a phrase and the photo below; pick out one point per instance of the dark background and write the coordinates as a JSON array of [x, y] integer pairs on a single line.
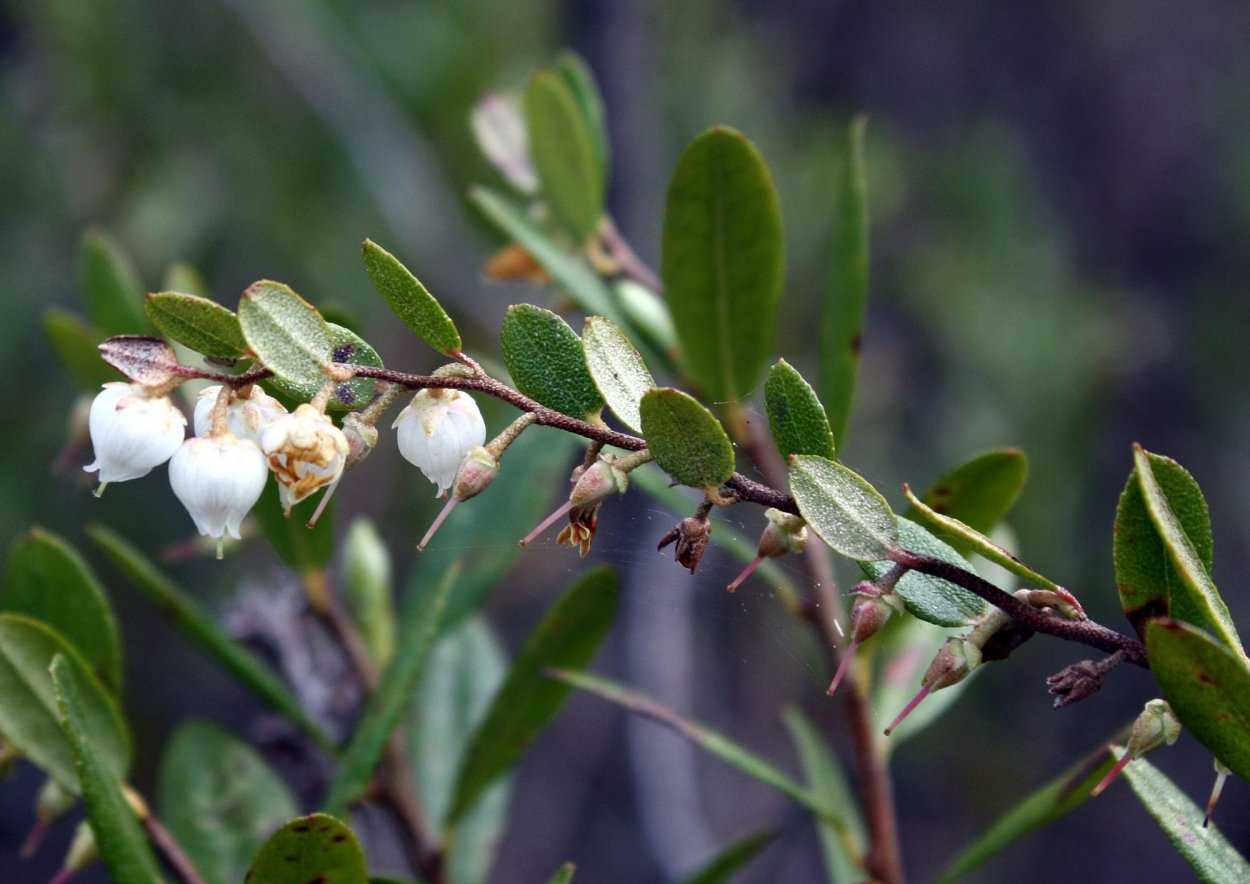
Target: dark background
[[1060, 209]]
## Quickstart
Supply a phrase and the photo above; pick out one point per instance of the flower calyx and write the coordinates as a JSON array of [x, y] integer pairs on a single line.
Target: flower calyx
[[593, 484], [874, 604], [1156, 725], [784, 533], [248, 412]]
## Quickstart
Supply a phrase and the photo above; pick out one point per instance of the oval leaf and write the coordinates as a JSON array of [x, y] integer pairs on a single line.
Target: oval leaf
[[568, 636], [76, 344], [953, 529], [1208, 686], [564, 152], [1143, 571], [410, 300], [317, 848], [795, 416], [722, 262], [286, 333], [29, 719], [1192, 598], [617, 369], [47, 579], [573, 69], [848, 514], [547, 362], [147, 361], [121, 841], [687, 440], [199, 323], [220, 800], [346, 348], [979, 492], [930, 598], [110, 285]]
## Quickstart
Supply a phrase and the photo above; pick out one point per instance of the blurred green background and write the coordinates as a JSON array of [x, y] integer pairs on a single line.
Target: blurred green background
[[1060, 205]]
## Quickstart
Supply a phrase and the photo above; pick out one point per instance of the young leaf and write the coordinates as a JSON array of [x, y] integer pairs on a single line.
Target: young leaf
[[1208, 685], [722, 867], [346, 348], [286, 333], [952, 530], [410, 300], [547, 362], [931, 599], [842, 322], [573, 69], [1192, 598], [1144, 573], [568, 636], [310, 848], [199, 323], [200, 627], [843, 509], [28, 715], [144, 360], [564, 153], [499, 129], [368, 586], [75, 343], [121, 841], [110, 284], [687, 440], [220, 800], [302, 549], [617, 369], [722, 262], [1208, 852], [563, 875], [47, 579], [387, 703], [978, 492], [795, 416], [1060, 796]]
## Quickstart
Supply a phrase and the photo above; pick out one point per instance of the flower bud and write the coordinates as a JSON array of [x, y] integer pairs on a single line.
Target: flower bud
[[437, 431], [83, 851], [954, 662], [131, 432], [247, 418], [218, 480], [305, 451], [598, 483], [478, 470], [870, 611], [784, 533], [52, 803], [362, 438], [1157, 725]]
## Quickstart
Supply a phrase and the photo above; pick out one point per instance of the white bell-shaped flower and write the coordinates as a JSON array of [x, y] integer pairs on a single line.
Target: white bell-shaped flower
[[306, 451], [437, 431], [246, 418], [218, 479], [131, 432]]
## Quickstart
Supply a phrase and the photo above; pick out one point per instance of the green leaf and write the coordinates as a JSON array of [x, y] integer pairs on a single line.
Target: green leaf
[[547, 362], [410, 300], [346, 348], [110, 285], [1144, 572], [310, 848], [199, 626], [465, 669], [687, 440], [573, 69], [220, 800], [842, 321], [386, 704], [199, 323], [704, 737], [1208, 685], [28, 715], [617, 369], [795, 416], [120, 839], [848, 514], [722, 867], [568, 636], [304, 550], [286, 333], [74, 341], [722, 262], [368, 587], [1208, 852], [1060, 796], [931, 599], [953, 530], [563, 875], [978, 492], [568, 271], [48, 580], [841, 844], [564, 152], [1192, 597]]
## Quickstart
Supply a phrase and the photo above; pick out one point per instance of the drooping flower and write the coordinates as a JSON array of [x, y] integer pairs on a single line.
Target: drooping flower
[[218, 479], [131, 432], [306, 451], [246, 418], [437, 431]]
